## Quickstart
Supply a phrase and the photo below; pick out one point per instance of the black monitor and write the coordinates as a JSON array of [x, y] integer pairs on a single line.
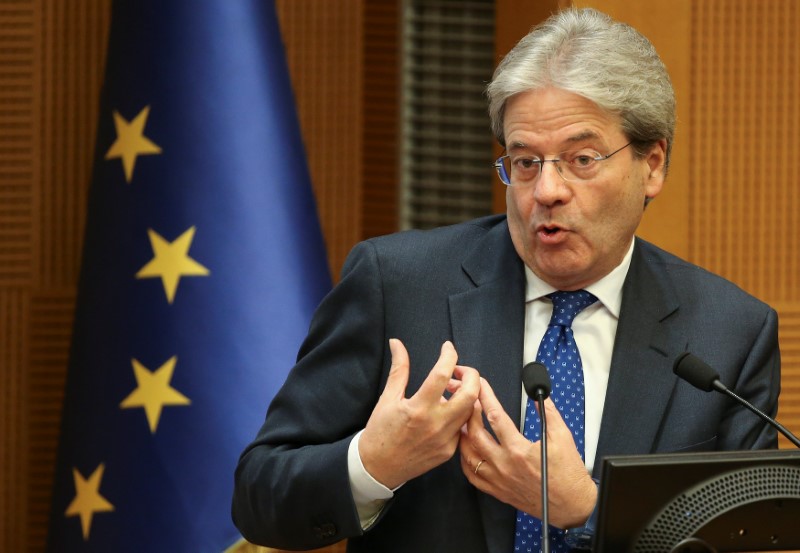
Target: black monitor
[[699, 502]]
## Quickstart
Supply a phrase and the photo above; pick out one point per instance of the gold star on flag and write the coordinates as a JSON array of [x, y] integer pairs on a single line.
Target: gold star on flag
[[88, 500], [131, 141], [171, 261], [154, 391]]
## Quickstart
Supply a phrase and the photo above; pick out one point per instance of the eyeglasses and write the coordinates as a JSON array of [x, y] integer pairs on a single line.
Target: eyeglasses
[[573, 166]]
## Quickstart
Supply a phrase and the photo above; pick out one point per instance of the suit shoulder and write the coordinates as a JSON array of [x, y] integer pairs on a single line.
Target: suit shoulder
[[421, 254], [694, 279], [447, 233], [447, 240]]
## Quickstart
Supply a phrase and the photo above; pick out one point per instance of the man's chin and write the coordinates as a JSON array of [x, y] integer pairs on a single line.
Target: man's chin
[[564, 274]]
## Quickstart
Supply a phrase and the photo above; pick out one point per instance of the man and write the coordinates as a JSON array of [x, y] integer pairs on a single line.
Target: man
[[361, 442]]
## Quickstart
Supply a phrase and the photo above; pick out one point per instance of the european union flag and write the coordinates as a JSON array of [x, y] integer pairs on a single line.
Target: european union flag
[[203, 262]]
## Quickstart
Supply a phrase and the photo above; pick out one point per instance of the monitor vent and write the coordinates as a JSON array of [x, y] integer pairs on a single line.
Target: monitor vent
[[682, 517]]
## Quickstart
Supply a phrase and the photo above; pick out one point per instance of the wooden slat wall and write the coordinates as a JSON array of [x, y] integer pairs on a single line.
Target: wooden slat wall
[[744, 143], [789, 409], [744, 207], [50, 315], [14, 422], [73, 41], [343, 57], [380, 133], [18, 140], [18, 147], [324, 47]]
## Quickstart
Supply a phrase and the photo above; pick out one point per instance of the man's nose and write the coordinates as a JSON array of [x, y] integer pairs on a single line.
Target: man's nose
[[550, 186]]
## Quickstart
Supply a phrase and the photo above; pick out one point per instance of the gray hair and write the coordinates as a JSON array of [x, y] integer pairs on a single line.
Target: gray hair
[[608, 62]]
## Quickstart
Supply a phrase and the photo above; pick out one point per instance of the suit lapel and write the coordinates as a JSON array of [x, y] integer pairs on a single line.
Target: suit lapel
[[488, 327], [641, 380]]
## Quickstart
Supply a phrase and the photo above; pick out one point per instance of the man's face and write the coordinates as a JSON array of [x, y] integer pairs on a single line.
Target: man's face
[[572, 234]]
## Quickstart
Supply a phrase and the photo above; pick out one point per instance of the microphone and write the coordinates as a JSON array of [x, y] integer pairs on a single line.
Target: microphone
[[697, 373], [536, 381]]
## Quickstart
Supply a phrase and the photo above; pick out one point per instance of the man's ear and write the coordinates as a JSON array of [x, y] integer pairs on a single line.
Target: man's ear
[[656, 160]]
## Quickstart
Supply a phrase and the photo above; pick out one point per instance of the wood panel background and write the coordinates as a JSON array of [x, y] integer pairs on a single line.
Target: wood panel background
[[324, 46], [744, 212], [731, 201], [343, 58], [51, 57]]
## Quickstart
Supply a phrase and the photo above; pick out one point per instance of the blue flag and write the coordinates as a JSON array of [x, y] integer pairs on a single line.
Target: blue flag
[[203, 262]]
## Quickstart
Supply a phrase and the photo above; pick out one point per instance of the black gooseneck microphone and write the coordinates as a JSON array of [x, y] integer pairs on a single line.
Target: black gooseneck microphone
[[697, 373], [536, 381]]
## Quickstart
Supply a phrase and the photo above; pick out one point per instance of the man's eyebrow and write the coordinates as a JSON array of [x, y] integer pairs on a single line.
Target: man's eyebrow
[[585, 135]]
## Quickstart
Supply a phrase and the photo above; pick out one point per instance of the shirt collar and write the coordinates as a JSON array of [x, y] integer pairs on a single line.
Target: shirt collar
[[608, 289]]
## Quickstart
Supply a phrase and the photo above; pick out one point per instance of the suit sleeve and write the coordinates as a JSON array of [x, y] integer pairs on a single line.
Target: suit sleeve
[[759, 383], [291, 485]]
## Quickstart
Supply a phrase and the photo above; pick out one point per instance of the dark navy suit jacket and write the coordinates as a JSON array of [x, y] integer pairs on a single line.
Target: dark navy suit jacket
[[466, 283]]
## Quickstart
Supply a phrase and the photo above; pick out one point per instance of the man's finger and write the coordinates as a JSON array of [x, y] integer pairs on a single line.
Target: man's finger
[[453, 385], [398, 372], [475, 422], [467, 441], [437, 380], [555, 422], [470, 387], [504, 428]]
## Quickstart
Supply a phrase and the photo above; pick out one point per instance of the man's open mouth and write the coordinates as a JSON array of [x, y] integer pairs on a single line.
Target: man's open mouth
[[550, 230]]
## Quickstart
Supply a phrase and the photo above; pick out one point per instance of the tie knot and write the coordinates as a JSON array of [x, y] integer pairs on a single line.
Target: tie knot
[[567, 305]]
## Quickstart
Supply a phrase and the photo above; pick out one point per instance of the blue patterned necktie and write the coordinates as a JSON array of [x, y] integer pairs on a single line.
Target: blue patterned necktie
[[559, 353]]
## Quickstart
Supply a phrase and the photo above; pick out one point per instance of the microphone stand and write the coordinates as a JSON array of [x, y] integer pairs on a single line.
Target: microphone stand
[[545, 514], [696, 372], [536, 381], [720, 387]]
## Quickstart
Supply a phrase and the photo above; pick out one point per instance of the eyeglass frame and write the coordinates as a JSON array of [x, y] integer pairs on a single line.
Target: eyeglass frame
[[501, 170]]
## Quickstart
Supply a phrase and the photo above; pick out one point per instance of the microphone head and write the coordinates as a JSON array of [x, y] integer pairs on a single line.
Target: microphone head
[[695, 371], [536, 380]]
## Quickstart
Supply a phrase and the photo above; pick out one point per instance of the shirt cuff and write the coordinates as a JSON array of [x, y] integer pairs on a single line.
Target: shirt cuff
[[580, 538], [369, 495]]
